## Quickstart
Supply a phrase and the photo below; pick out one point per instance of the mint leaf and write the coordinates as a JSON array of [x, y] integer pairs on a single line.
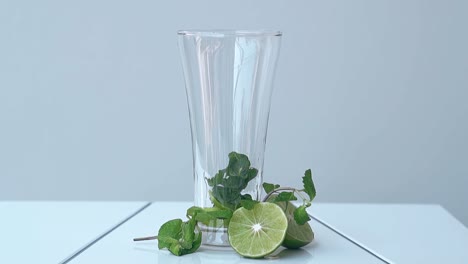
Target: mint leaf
[[204, 218], [309, 186], [248, 204], [188, 234], [285, 197], [195, 244], [167, 240], [212, 216], [228, 197], [192, 211], [219, 213], [217, 179], [246, 197], [300, 215], [252, 173], [168, 231], [179, 237], [205, 215], [175, 249], [239, 164], [236, 182], [269, 187]]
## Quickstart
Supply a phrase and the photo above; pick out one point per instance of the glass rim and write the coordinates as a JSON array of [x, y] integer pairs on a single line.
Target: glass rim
[[230, 33]]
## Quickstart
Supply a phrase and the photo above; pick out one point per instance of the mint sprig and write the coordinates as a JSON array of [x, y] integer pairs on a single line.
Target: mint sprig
[[286, 194], [182, 238], [228, 183]]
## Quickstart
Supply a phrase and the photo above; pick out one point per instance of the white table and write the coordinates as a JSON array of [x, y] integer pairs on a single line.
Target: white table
[[51, 232], [102, 232], [400, 233], [118, 247]]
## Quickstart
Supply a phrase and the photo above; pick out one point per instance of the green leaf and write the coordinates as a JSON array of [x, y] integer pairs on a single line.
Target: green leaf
[[192, 211], [170, 230], [204, 218], [285, 197], [236, 182], [251, 174], [248, 204], [188, 234], [228, 197], [215, 201], [269, 187], [217, 179], [175, 249], [246, 197], [195, 245], [167, 240], [218, 213], [212, 215], [300, 215], [309, 186], [239, 164], [179, 237]]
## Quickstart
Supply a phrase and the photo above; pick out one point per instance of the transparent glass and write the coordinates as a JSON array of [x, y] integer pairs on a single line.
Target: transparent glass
[[229, 84]]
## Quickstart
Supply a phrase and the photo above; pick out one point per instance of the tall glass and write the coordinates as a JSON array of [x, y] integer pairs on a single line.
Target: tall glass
[[229, 83]]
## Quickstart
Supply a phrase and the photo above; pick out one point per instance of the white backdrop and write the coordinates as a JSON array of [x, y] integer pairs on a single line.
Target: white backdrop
[[372, 95]]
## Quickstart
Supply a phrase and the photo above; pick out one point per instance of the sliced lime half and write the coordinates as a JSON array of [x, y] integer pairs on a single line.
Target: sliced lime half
[[257, 232]]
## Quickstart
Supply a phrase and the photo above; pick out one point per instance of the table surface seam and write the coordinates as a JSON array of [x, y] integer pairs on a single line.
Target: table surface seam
[[356, 243], [95, 240]]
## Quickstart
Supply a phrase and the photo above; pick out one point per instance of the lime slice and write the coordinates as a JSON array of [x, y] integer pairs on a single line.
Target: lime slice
[[297, 235], [257, 232]]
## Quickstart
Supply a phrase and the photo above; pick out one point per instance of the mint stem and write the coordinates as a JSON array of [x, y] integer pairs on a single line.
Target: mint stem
[[278, 190], [145, 238]]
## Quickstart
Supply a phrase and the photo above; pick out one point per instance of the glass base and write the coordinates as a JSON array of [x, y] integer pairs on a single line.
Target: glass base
[[216, 236]]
